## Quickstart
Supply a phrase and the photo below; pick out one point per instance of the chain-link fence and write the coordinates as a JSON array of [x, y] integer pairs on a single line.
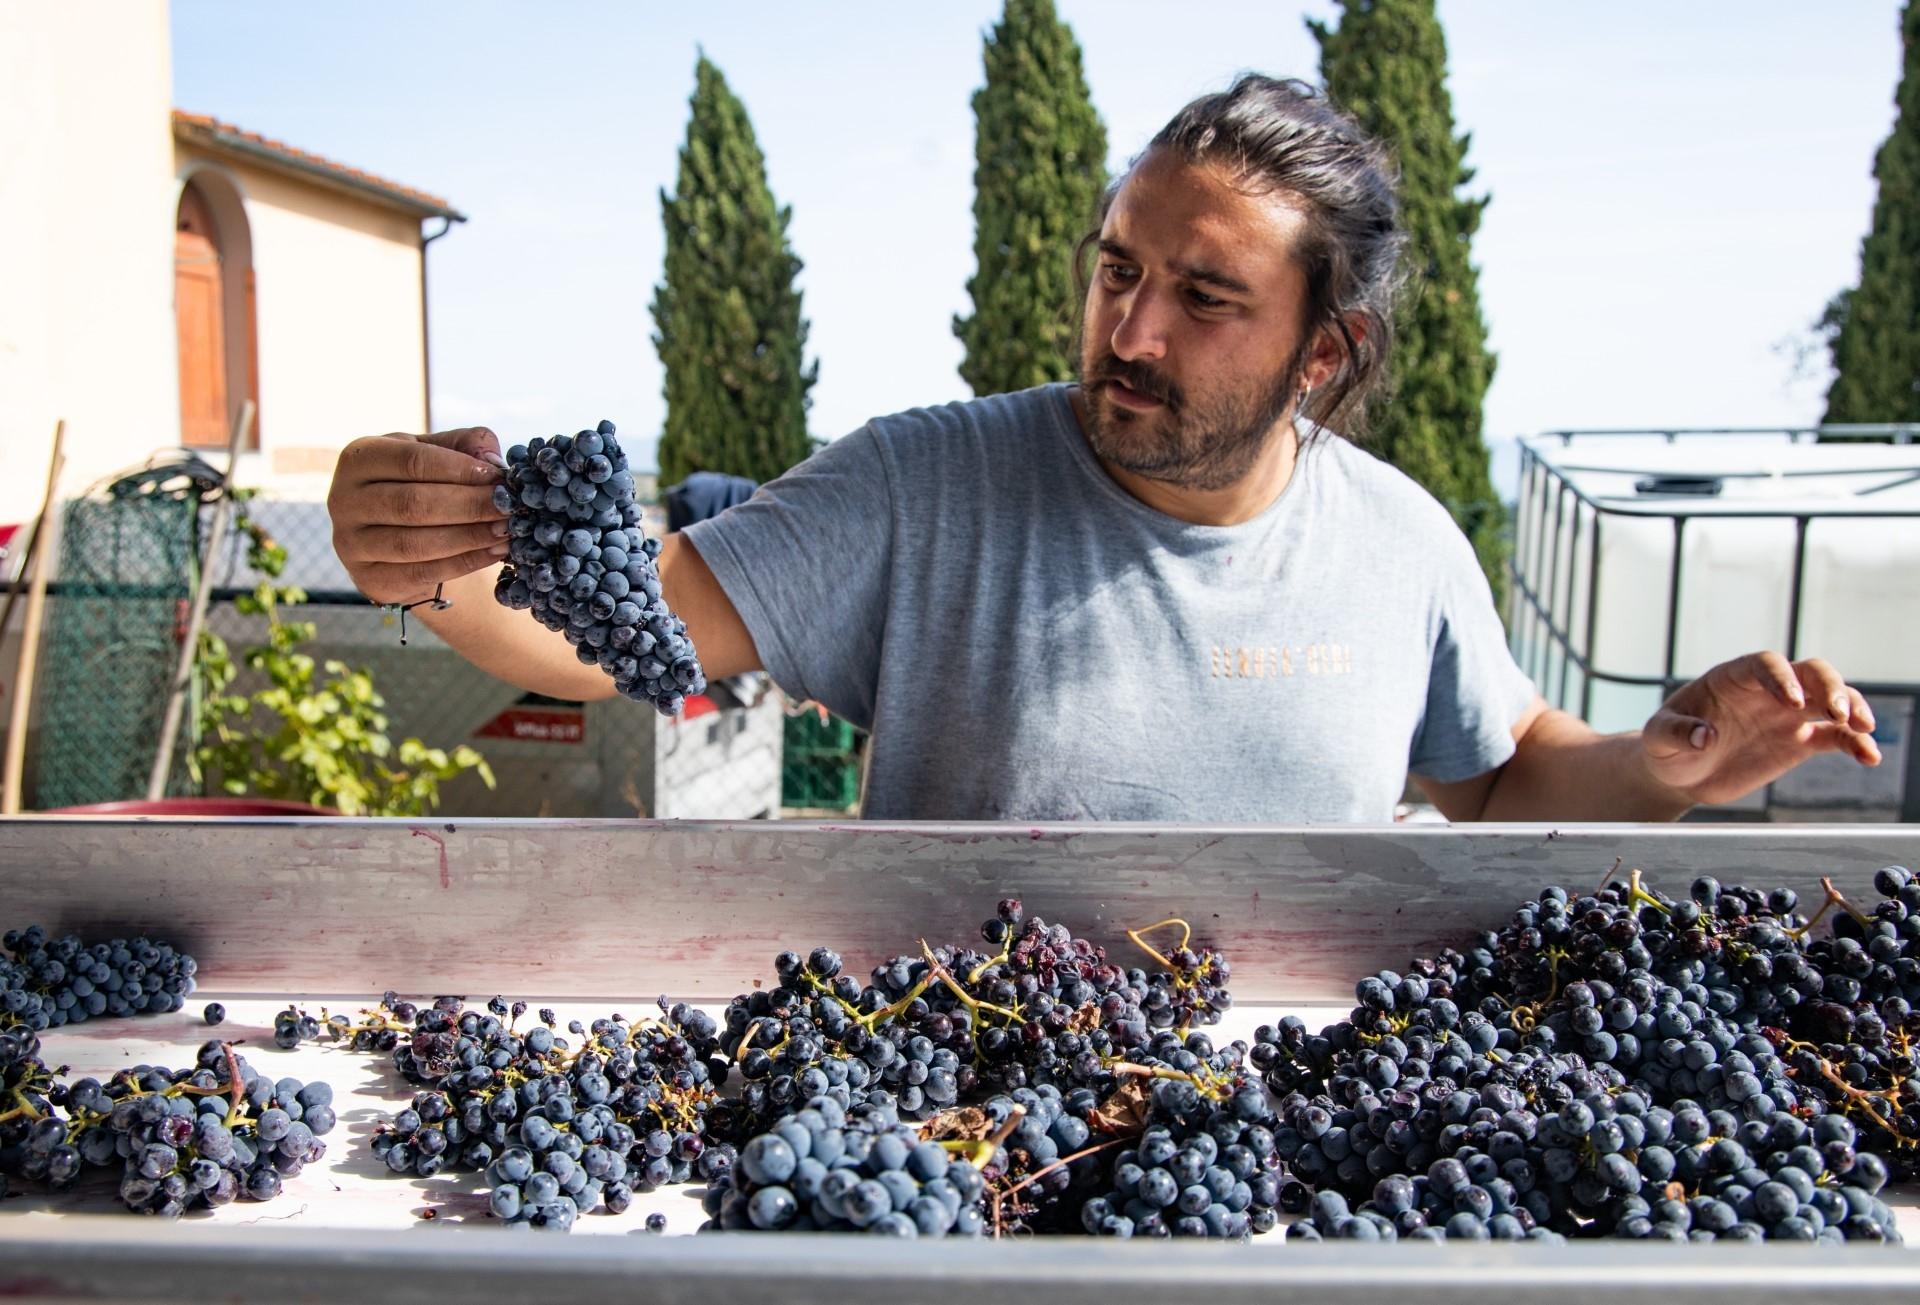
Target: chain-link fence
[[127, 567], [117, 612]]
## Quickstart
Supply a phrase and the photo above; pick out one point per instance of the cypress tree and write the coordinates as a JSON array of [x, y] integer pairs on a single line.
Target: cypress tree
[[1875, 327], [1040, 160], [1386, 64], [729, 329]]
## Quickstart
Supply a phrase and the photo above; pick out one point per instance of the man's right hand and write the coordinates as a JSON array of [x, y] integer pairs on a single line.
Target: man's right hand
[[414, 511]]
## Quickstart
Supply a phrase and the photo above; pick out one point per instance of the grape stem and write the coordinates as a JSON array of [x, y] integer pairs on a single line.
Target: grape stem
[[1210, 1087], [1138, 936], [938, 971], [236, 1112], [1607, 878], [980, 969], [1855, 1097], [980, 1154], [872, 1019], [1638, 896], [1007, 1194], [1834, 898], [24, 1109]]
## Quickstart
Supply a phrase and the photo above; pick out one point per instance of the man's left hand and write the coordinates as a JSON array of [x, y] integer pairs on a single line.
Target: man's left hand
[[1749, 721]]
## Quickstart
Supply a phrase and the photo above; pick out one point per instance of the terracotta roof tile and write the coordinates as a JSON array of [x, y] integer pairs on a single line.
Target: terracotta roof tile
[[204, 129]]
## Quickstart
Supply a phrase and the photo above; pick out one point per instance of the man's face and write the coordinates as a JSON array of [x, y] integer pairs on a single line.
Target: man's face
[[1192, 350]]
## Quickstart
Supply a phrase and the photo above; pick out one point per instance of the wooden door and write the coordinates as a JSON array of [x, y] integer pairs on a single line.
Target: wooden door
[[198, 311]]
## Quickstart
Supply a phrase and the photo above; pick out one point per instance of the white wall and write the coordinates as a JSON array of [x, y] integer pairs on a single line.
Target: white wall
[[86, 240], [337, 290]]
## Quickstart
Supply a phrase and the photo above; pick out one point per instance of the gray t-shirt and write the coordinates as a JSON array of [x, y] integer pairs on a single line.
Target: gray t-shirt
[[1027, 641]]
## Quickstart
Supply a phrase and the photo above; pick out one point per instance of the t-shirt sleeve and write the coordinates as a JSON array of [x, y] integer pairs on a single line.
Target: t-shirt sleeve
[[1475, 690], [805, 563]]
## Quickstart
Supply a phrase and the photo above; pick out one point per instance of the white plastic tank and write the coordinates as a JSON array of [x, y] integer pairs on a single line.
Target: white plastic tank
[[1734, 505]]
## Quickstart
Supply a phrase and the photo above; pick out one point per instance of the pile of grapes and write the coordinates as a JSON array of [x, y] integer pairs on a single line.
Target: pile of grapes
[[1610, 1064], [49, 982], [579, 562], [176, 1139], [557, 1130], [1618, 1064], [1615, 1063]]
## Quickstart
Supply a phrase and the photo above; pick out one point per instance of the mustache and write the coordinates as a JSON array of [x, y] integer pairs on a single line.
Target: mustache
[[1142, 379]]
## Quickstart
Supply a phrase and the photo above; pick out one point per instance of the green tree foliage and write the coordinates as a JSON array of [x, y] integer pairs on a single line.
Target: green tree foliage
[[727, 314], [313, 732], [1875, 327], [1386, 64], [1040, 161]]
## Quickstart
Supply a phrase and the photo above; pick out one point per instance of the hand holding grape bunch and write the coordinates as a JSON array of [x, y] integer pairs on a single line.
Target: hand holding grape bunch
[[579, 562]]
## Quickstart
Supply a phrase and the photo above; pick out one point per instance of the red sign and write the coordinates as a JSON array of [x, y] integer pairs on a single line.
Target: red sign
[[533, 725]]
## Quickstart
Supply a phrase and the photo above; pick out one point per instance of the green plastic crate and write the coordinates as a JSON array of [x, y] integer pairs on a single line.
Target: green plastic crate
[[806, 734], [824, 782]]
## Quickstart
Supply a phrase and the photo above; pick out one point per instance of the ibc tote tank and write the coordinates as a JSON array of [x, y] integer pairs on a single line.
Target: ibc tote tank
[[1641, 559]]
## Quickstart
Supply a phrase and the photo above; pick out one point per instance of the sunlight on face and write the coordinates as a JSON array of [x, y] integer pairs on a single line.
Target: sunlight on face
[[1193, 348]]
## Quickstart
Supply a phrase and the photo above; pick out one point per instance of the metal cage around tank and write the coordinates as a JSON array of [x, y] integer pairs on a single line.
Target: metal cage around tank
[[1558, 519]]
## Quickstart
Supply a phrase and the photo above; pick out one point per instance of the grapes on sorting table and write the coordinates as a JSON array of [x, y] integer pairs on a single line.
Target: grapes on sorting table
[[557, 1129], [825, 1168], [46, 982], [1616, 1064], [180, 1140], [579, 562], [293, 1026], [932, 1031]]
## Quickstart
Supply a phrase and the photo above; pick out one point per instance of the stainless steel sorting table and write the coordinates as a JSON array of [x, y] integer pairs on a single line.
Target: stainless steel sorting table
[[594, 916]]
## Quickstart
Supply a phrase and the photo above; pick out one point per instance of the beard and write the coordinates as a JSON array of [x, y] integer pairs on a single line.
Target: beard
[[1206, 442]]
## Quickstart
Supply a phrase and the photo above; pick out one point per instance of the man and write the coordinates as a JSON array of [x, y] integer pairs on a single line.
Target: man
[[1165, 593]]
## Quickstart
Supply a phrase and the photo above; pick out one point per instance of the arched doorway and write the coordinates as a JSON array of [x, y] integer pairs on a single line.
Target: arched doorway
[[213, 313]]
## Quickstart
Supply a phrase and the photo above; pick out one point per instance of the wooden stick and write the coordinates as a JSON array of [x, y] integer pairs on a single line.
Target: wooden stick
[[43, 544], [189, 647]]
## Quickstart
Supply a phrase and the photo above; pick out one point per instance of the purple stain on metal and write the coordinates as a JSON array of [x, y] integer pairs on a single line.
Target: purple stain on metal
[[31, 1286], [446, 879]]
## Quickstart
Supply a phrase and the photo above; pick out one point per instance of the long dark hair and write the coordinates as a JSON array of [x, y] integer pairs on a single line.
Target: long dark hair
[[1283, 135]]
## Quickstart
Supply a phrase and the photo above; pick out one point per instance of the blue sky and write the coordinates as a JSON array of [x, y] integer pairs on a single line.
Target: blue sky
[[1677, 189]]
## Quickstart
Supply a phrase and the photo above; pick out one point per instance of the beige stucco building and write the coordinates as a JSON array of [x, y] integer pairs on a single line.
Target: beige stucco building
[[158, 267]]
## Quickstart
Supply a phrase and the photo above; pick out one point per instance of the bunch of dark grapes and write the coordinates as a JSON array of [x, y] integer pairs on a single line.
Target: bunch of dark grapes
[[578, 561], [1614, 1064], [25, 1082], [293, 1026], [806, 1036], [829, 1169], [181, 1139], [1044, 1010], [1204, 1162], [1090, 1010], [49, 982], [1853, 1037], [1048, 1008], [557, 1131], [1038, 1151]]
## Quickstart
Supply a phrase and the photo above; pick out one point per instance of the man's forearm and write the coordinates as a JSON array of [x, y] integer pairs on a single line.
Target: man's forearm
[[505, 644], [1564, 770]]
